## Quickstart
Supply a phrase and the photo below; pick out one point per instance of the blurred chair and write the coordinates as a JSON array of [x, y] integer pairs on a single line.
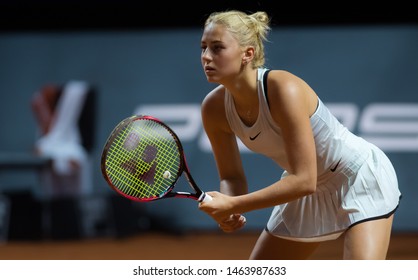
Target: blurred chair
[[66, 118], [66, 121]]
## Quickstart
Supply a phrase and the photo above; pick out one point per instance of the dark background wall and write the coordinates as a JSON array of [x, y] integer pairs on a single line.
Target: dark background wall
[[365, 66], [124, 14]]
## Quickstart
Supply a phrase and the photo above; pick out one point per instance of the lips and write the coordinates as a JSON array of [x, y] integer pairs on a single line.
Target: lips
[[209, 69]]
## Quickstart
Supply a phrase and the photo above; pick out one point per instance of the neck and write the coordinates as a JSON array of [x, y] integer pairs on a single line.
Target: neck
[[243, 87], [245, 95]]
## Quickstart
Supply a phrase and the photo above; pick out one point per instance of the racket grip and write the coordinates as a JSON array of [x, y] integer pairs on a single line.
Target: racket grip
[[206, 198]]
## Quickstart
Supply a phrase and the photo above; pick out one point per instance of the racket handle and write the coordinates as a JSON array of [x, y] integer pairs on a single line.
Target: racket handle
[[243, 219], [206, 198]]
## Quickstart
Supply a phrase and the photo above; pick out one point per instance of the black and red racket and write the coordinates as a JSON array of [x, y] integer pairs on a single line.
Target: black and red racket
[[143, 159]]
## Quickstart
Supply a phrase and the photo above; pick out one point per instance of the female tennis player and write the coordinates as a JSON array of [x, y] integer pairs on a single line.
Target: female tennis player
[[334, 183]]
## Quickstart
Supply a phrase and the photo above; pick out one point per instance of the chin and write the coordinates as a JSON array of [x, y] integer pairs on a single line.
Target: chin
[[212, 79]]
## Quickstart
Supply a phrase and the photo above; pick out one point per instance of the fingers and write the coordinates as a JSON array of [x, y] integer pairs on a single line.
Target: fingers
[[208, 197], [233, 223]]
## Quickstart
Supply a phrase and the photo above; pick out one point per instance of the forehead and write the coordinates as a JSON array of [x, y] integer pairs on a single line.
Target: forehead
[[217, 33]]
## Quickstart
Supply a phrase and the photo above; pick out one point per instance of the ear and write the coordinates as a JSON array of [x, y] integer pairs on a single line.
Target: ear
[[248, 55]]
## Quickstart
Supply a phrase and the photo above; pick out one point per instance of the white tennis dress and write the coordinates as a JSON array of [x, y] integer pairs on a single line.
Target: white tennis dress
[[356, 181]]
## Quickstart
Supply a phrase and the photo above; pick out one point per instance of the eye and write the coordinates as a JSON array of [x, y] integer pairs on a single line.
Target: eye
[[217, 48]]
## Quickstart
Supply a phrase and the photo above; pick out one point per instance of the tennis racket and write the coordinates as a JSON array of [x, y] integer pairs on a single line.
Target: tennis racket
[[143, 159]]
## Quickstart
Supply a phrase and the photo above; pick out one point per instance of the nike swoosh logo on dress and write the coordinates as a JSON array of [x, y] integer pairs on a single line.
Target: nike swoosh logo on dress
[[253, 138], [335, 167]]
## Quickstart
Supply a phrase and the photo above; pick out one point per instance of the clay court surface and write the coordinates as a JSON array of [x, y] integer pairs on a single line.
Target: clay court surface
[[163, 246]]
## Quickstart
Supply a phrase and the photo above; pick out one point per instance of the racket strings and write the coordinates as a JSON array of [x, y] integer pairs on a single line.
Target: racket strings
[[134, 176], [140, 154], [126, 166]]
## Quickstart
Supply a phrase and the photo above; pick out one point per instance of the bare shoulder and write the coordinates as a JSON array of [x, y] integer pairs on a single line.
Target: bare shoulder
[[284, 80], [213, 108], [214, 96], [286, 89]]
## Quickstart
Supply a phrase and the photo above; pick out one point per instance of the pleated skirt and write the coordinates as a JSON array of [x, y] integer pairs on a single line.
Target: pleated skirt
[[364, 189]]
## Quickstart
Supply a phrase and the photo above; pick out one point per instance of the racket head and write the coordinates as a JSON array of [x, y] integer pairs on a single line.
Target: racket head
[[136, 156]]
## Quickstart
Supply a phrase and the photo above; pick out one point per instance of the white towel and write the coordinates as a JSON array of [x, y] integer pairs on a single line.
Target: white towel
[[63, 142]]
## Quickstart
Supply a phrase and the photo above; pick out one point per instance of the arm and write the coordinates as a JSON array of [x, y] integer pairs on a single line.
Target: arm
[[226, 153], [292, 102], [224, 145]]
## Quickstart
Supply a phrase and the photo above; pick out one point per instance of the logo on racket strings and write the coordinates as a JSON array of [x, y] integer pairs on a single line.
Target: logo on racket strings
[[148, 157]]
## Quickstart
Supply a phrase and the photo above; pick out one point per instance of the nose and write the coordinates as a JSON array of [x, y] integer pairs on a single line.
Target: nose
[[205, 55]]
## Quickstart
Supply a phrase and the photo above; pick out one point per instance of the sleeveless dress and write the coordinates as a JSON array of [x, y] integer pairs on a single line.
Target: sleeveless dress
[[356, 180]]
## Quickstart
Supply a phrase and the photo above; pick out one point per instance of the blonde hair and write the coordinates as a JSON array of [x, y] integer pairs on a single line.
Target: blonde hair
[[248, 29]]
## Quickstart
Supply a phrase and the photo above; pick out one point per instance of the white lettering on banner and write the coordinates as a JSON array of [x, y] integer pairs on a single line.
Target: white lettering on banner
[[391, 126], [184, 119]]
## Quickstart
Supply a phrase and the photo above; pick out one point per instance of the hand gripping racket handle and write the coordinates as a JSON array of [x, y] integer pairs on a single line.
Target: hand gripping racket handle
[[205, 197]]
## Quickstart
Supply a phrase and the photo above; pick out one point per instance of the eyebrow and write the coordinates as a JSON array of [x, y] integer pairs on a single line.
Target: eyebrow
[[212, 42], [215, 41]]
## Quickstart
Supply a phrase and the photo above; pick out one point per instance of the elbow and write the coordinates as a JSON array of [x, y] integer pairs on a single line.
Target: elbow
[[307, 187], [309, 190]]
